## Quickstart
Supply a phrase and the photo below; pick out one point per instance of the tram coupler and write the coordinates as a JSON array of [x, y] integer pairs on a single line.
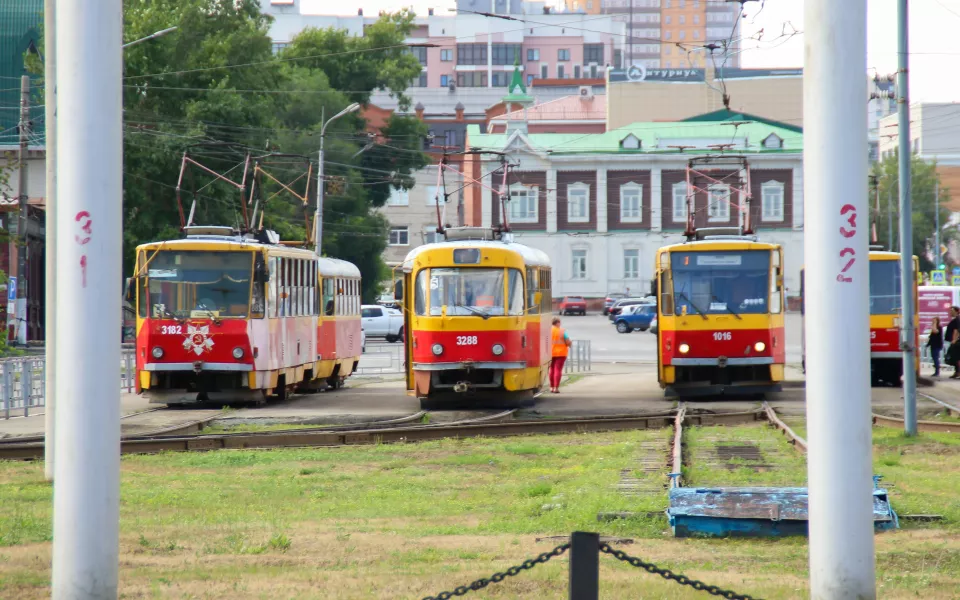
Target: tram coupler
[[461, 387]]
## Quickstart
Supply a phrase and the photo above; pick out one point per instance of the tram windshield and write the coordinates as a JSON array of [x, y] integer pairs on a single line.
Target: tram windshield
[[884, 287], [197, 284], [469, 291], [721, 282]]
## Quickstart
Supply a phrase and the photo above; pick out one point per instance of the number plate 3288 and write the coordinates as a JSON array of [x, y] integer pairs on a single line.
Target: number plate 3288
[[466, 340]]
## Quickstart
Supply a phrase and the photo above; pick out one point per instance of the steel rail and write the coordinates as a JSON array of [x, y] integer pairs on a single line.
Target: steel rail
[[922, 426], [940, 402], [184, 427], [30, 451], [798, 442], [677, 460]]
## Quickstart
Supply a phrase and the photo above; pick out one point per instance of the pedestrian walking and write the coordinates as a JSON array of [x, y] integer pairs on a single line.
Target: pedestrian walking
[[952, 334], [560, 347], [935, 343]]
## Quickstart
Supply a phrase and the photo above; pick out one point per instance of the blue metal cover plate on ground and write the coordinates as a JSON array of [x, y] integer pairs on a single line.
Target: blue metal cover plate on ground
[[753, 511]]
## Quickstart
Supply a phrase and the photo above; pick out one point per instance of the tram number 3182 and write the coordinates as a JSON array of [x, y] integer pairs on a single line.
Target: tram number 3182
[[722, 336]]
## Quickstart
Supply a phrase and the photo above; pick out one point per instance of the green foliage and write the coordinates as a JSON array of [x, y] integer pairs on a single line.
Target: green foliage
[[215, 81], [923, 188]]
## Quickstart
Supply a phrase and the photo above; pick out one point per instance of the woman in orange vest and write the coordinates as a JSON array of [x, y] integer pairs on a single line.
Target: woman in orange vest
[[560, 345]]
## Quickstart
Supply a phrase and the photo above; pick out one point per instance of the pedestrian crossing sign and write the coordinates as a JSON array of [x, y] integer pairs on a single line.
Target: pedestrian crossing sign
[[938, 277], [955, 280]]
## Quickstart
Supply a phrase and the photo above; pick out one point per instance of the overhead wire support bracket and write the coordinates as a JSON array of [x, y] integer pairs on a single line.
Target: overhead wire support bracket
[[698, 169], [187, 161], [259, 172]]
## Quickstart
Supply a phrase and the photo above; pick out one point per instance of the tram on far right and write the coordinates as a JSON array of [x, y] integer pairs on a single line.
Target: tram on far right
[[886, 357]]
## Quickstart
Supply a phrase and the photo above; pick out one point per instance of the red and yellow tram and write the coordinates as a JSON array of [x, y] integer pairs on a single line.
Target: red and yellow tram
[[229, 318], [720, 317], [477, 321]]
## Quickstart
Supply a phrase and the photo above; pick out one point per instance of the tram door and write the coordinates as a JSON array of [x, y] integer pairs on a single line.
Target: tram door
[[403, 282]]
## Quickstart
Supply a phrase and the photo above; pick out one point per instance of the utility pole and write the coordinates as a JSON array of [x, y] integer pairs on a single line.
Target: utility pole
[[890, 218], [86, 496], [908, 278], [50, 241], [630, 63], [839, 469], [20, 243], [936, 219], [318, 217]]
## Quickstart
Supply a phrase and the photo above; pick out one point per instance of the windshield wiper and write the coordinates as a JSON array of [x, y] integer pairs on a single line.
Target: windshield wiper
[[726, 305], [476, 311], [213, 315], [694, 306], [180, 320]]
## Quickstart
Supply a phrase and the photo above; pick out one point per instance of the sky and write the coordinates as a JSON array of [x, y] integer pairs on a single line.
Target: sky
[[933, 28]]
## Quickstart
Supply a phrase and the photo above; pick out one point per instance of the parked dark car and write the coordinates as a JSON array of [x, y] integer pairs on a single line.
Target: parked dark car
[[573, 305], [610, 300], [636, 318], [618, 306]]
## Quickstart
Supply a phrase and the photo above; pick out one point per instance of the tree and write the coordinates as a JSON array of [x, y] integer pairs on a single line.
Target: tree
[[216, 82], [923, 185]]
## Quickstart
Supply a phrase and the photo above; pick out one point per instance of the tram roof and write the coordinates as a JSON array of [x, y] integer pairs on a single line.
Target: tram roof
[[530, 256], [722, 244], [328, 266]]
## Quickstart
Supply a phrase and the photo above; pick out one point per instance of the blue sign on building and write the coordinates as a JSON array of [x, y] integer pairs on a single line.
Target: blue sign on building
[[11, 289]]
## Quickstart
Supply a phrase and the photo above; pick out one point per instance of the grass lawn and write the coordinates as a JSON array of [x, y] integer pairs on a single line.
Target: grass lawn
[[407, 521]]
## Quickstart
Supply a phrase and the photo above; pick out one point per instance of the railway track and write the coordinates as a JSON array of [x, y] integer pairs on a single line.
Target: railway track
[[923, 426]]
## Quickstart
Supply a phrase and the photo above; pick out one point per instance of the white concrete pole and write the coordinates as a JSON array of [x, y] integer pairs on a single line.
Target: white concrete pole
[[837, 323], [89, 179], [50, 296]]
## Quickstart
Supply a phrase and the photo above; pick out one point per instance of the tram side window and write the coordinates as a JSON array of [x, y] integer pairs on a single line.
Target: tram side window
[[666, 293], [302, 291], [257, 305], [775, 291], [546, 291], [533, 285], [514, 292], [420, 294], [272, 287], [328, 296]]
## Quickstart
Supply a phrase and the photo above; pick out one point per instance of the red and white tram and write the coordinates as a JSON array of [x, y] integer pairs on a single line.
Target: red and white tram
[[228, 318]]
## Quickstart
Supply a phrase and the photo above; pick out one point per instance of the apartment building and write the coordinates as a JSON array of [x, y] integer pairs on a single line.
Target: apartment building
[[468, 50], [600, 205], [670, 34]]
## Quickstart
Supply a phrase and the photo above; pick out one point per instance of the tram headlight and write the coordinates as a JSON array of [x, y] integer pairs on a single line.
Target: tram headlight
[[157, 352], [759, 346], [238, 353], [683, 348], [497, 349], [437, 349]]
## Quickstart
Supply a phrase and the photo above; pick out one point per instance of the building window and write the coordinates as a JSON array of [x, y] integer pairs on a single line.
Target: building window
[[667, 35], [471, 54], [563, 54], [576, 71], [696, 34], [399, 236], [668, 19], [631, 202], [696, 19], [446, 55], [578, 203], [523, 204], [421, 53], [682, 20], [631, 264], [772, 192], [533, 54], [579, 266], [472, 79], [529, 80], [435, 195], [618, 59], [593, 53], [505, 54], [559, 71], [398, 197], [450, 138], [682, 35], [680, 202], [683, 3], [444, 80], [278, 46], [718, 208], [430, 236], [420, 82], [543, 72], [501, 78]]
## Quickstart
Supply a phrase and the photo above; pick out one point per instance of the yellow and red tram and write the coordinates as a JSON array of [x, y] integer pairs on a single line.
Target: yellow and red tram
[[886, 356], [720, 317], [236, 318], [477, 321]]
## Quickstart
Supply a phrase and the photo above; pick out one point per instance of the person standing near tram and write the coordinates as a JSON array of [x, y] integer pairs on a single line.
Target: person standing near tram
[[560, 347]]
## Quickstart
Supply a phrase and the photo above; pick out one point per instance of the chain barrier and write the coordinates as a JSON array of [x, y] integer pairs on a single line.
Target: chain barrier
[[668, 574], [498, 577]]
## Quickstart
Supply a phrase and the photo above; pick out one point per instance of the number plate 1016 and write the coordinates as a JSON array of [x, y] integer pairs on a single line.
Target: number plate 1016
[[722, 336]]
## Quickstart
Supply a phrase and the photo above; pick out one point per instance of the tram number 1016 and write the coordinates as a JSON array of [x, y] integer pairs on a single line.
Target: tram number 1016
[[722, 336]]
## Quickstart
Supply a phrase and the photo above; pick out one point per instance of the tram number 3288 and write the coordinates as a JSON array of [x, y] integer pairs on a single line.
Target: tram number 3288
[[466, 340], [722, 336]]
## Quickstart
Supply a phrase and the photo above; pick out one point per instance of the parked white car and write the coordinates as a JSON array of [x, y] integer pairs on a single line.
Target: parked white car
[[381, 321]]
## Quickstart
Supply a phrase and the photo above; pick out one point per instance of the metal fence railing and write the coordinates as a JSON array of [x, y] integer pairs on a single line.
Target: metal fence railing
[[579, 359]]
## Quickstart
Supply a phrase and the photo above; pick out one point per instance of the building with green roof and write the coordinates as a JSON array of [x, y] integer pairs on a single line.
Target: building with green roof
[[21, 24], [601, 204]]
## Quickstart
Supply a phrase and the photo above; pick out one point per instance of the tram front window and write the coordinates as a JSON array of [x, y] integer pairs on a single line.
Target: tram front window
[[465, 292], [198, 284], [722, 282], [884, 287]]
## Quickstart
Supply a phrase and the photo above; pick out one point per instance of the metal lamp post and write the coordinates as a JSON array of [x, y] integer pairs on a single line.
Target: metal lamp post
[[318, 217]]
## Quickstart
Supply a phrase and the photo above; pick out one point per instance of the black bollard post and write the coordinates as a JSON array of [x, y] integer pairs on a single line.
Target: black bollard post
[[584, 566]]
